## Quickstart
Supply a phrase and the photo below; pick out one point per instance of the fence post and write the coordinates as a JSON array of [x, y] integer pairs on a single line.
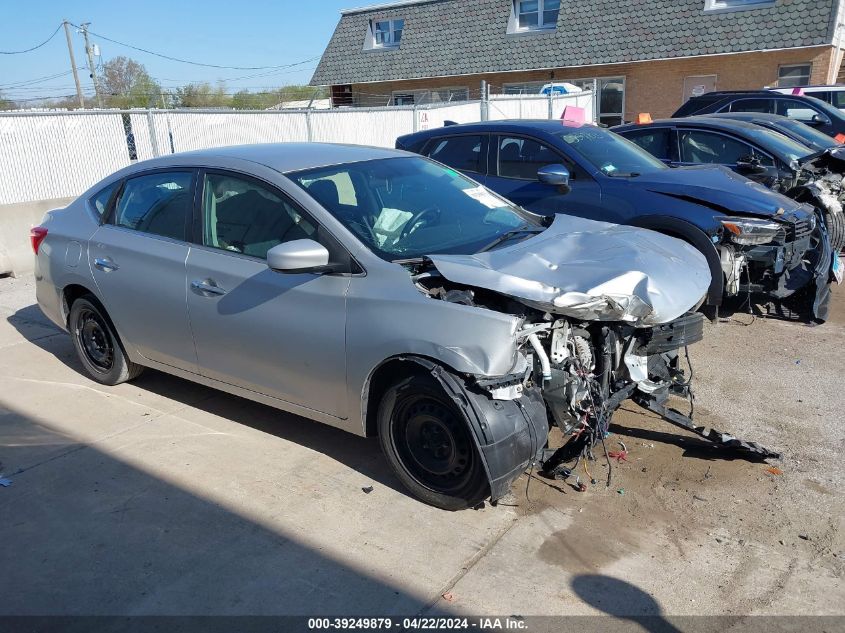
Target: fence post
[[485, 104], [308, 124], [416, 123], [153, 137], [552, 102]]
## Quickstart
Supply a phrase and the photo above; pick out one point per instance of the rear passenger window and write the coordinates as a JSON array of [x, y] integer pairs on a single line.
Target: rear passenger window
[[100, 200], [699, 147], [159, 204], [753, 105], [461, 152], [654, 141], [522, 158]]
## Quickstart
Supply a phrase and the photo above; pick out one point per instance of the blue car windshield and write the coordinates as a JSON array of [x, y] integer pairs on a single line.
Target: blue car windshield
[[610, 153], [409, 207]]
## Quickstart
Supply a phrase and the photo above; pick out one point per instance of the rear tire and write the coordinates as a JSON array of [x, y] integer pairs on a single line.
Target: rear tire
[[429, 445], [97, 345], [836, 228]]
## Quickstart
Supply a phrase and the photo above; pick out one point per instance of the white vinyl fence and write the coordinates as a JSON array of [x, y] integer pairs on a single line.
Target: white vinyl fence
[[46, 155]]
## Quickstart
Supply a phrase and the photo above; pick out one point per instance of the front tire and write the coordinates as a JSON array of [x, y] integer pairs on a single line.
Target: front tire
[[97, 345], [428, 443]]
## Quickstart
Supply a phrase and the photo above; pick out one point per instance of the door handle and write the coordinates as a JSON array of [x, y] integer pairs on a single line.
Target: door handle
[[207, 287], [105, 264]]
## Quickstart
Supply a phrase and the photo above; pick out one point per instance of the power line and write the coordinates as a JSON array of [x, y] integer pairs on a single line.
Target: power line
[[34, 47], [187, 61]]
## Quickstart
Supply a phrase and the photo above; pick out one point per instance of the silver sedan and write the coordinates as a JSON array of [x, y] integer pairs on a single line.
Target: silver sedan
[[375, 291]]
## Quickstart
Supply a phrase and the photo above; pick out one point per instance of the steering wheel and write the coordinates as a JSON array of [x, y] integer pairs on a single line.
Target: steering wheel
[[412, 223]]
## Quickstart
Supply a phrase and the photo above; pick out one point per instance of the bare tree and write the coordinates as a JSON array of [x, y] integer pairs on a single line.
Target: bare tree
[[126, 83]]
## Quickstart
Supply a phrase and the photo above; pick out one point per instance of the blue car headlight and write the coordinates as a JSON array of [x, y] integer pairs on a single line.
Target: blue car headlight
[[751, 231]]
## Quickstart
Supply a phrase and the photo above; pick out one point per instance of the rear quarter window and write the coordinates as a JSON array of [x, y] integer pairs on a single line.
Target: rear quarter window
[[100, 200]]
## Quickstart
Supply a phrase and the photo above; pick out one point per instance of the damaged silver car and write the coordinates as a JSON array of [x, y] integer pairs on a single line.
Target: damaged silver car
[[380, 293]]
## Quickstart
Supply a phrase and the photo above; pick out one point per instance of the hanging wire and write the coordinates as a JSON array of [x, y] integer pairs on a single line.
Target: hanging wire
[[34, 47]]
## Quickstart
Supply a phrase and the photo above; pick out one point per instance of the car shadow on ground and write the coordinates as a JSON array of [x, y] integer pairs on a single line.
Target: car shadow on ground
[[358, 453], [89, 532]]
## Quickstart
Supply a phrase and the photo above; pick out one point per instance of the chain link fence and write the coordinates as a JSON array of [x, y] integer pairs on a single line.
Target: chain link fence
[[46, 155]]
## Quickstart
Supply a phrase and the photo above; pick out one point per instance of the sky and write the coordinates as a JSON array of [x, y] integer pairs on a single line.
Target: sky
[[245, 33]]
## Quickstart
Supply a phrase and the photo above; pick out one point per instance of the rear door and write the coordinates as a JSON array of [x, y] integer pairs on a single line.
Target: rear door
[[514, 163], [282, 335], [137, 259]]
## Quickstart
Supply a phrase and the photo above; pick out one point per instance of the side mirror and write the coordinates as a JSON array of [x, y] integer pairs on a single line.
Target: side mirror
[[750, 165], [555, 175], [299, 256], [819, 119]]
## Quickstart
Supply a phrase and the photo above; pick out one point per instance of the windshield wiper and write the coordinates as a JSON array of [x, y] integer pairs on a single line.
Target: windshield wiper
[[504, 237]]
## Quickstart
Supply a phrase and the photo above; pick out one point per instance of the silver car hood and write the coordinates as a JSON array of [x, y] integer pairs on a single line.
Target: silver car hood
[[592, 271]]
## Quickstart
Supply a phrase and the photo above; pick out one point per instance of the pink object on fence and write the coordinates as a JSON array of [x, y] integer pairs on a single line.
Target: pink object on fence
[[798, 92]]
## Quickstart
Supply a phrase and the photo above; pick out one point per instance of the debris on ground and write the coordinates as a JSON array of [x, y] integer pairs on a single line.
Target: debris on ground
[[449, 596], [5, 482], [774, 470], [367, 489]]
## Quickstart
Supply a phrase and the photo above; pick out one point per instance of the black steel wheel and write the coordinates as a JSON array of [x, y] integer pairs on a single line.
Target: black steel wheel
[[97, 345], [428, 442]]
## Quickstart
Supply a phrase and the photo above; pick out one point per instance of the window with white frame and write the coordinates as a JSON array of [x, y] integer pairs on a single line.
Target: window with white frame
[[736, 5], [792, 75], [532, 15], [387, 33]]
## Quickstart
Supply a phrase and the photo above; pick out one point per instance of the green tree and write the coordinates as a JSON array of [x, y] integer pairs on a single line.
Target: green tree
[[6, 104], [126, 83], [202, 95]]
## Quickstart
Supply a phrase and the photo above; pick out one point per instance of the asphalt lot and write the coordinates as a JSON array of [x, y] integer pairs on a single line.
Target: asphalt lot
[[165, 497]]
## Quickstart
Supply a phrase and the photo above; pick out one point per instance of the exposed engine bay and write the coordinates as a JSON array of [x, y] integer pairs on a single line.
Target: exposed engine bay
[[584, 370]]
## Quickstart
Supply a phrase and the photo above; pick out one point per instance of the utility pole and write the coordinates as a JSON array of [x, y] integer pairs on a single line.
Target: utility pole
[[73, 65], [88, 51]]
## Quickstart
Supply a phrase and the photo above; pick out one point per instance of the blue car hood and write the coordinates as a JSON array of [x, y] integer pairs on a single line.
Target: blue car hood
[[720, 189]]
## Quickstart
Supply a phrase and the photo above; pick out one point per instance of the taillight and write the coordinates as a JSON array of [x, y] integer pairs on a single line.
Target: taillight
[[36, 236]]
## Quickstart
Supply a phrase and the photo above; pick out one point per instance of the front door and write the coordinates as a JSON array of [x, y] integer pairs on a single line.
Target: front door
[[138, 261], [702, 147], [515, 162], [282, 335]]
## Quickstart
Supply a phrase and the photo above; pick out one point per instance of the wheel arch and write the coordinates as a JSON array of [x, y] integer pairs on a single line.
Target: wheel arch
[[74, 291]]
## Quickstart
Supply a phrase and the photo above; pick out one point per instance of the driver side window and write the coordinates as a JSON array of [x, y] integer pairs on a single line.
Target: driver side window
[[243, 216], [699, 147], [521, 158]]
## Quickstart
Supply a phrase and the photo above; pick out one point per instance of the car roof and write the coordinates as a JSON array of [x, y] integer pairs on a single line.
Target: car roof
[[549, 126], [701, 121], [283, 157]]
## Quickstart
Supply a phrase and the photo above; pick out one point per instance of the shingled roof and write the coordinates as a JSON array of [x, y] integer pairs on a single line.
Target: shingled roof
[[461, 37]]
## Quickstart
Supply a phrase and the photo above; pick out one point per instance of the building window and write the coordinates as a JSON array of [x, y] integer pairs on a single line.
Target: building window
[[736, 5], [533, 15], [424, 97], [404, 99], [387, 33], [794, 75]]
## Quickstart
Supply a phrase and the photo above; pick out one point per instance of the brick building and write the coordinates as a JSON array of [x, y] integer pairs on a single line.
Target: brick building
[[640, 56]]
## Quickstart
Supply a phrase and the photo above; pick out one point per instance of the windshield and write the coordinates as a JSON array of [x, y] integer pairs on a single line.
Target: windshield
[[610, 153], [406, 208], [817, 140], [785, 148]]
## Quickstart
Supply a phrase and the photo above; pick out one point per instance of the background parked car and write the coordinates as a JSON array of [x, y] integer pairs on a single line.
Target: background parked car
[[797, 131], [758, 153], [809, 110], [754, 239], [834, 95]]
